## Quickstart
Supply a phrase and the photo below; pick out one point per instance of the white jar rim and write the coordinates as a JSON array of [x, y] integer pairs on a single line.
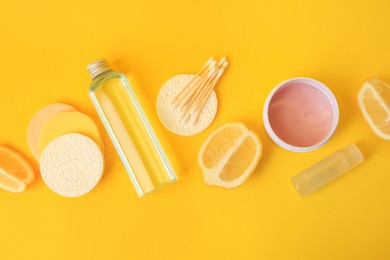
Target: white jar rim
[[312, 83]]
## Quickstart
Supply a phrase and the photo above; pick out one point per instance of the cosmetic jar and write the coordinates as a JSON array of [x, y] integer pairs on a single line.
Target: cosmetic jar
[[300, 114]]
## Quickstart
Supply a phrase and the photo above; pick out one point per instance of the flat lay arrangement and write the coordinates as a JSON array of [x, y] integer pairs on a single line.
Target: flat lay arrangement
[[195, 130], [300, 115]]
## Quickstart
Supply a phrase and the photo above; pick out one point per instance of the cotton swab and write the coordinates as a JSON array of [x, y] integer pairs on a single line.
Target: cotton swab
[[193, 97]]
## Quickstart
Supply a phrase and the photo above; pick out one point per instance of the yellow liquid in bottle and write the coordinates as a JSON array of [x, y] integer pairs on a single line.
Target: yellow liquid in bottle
[[132, 134]]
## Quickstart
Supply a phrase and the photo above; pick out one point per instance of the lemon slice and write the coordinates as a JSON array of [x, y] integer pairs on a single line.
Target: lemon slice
[[10, 183], [374, 102], [229, 155], [15, 171]]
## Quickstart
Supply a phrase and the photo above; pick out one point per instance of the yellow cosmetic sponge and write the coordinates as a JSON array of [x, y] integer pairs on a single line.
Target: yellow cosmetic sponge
[[66, 123], [37, 122]]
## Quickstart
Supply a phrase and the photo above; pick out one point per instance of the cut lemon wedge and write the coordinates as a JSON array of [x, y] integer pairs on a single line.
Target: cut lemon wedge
[[229, 155], [9, 183], [374, 102], [15, 171]]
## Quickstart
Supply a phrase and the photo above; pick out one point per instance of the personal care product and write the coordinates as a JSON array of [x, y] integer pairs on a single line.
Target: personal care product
[[170, 116], [129, 129], [327, 170], [72, 165], [300, 114]]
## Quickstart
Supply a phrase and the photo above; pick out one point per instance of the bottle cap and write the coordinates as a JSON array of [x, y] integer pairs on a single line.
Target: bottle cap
[[353, 155], [98, 67]]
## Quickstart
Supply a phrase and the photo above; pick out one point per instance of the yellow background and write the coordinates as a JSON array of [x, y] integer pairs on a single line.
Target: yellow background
[[44, 49]]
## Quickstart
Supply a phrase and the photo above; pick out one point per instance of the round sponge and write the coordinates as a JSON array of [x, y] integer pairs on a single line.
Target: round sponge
[[66, 123], [71, 165], [170, 116], [39, 120]]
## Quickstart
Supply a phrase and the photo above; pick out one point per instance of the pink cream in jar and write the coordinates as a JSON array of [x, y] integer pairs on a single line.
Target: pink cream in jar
[[300, 114]]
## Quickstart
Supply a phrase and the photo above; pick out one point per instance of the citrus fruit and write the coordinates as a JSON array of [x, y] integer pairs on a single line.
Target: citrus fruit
[[229, 155], [15, 171], [374, 102]]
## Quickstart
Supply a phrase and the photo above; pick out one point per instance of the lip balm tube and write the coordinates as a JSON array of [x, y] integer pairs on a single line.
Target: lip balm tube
[[327, 170]]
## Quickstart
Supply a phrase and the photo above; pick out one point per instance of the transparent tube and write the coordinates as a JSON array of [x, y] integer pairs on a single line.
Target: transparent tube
[[327, 170], [129, 129]]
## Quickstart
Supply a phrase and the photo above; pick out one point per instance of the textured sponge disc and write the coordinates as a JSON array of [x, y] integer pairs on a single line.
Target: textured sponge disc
[[71, 165], [66, 123], [37, 122], [170, 116]]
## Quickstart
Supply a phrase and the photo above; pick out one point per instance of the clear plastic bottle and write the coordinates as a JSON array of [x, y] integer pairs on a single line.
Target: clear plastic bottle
[[327, 170], [129, 129]]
